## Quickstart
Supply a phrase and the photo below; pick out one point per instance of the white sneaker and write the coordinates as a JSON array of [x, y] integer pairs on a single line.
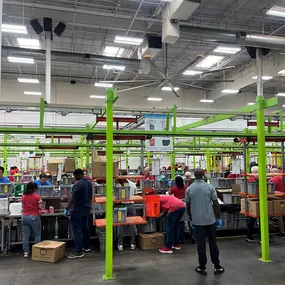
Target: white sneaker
[[26, 254], [120, 247], [133, 246]]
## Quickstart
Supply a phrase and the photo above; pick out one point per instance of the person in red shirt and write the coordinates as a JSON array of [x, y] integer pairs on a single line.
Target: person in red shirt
[[179, 189], [31, 222], [147, 176], [277, 181], [174, 208]]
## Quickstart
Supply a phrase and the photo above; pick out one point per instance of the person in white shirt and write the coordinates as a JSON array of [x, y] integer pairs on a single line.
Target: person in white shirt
[[131, 213]]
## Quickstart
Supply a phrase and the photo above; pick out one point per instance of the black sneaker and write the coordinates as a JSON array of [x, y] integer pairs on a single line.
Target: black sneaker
[[76, 255], [201, 270], [250, 239], [87, 250], [219, 270], [193, 240]]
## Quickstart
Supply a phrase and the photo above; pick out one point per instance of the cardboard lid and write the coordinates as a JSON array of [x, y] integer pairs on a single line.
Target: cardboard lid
[[49, 244]]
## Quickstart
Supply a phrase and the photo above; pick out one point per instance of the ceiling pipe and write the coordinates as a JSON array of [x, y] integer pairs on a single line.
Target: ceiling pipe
[[231, 37], [60, 56]]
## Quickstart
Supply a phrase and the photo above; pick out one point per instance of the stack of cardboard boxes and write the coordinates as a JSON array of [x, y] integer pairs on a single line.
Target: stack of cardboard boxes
[[99, 166], [275, 207]]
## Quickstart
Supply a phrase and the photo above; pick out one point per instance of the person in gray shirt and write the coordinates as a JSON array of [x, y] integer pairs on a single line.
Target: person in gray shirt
[[204, 212]]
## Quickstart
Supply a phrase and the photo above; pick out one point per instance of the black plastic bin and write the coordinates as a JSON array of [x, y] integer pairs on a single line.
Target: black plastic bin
[[48, 228]]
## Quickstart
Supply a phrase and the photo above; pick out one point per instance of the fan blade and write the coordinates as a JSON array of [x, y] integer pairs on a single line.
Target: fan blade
[[160, 85], [185, 67], [195, 86], [173, 90], [129, 81], [136, 74], [137, 87], [156, 68], [218, 70]]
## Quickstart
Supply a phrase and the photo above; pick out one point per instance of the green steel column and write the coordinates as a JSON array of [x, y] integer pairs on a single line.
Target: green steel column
[[208, 156], [281, 120], [42, 112], [215, 161], [265, 252], [5, 155], [109, 187], [173, 143], [82, 153], [247, 160], [76, 159], [127, 160], [87, 158], [148, 158], [194, 157]]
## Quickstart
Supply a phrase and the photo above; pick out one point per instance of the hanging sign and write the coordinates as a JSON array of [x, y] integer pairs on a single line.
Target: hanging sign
[[157, 122], [236, 166]]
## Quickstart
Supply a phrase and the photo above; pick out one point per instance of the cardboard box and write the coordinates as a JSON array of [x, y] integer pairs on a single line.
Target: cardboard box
[[99, 166], [279, 207], [48, 251], [151, 241], [52, 168], [69, 164], [253, 207], [236, 188]]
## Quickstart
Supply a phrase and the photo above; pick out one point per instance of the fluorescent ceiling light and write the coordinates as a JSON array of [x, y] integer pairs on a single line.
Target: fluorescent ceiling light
[[19, 29], [28, 43], [283, 105], [21, 59], [227, 50], [113, 51], [250, 103], [115, 67], [106, 85], [209, 61], [282, 72], [276, 11], [32, 93], [97, 97], [230, 91], [28, 80], [192, 72], [280, 94], [265, 77], [167, 88], [154, 99], [128, 40], [206, 101]]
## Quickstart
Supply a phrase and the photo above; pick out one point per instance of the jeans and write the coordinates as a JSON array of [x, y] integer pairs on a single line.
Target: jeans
[[133, 231], [80, 228], [31, 224], [172, 227], [250, 227], [202, 232]]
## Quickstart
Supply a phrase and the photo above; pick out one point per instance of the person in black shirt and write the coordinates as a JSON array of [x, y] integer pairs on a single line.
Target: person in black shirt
[[80, 207]]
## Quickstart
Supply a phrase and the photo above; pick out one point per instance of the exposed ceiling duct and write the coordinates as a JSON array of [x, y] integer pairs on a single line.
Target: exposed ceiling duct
[[60, 56], [231, 37]]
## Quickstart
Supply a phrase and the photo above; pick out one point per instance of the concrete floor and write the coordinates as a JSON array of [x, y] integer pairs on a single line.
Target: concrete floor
[[151, 268]]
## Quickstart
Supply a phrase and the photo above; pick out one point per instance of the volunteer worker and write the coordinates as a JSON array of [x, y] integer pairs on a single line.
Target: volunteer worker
[[43, 181]]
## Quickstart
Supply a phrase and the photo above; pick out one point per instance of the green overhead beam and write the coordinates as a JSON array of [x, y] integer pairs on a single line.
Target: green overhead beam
[[42, 112], [246, 109]]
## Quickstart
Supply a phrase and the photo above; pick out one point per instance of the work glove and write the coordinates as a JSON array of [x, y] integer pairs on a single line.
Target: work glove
[[219, 223], [65, 212]]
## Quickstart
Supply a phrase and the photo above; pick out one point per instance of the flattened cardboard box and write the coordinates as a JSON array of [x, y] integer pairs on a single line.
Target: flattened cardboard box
[[48, 251]]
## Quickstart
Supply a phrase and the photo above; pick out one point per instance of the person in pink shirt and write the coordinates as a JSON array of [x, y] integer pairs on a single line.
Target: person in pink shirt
[[174, 208], [277, 181]]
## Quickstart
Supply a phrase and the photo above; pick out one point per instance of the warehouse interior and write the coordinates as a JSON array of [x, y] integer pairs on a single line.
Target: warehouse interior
[[141, 92]]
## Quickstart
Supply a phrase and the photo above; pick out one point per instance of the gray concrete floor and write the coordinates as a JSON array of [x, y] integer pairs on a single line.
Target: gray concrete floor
[[150, 267]]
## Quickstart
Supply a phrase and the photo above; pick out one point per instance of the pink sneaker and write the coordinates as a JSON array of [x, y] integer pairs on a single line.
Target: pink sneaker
[[166, 250]]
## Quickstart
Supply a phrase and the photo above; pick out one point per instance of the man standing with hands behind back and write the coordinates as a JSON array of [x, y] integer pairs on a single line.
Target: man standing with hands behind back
[[204, 211], [80, 207]]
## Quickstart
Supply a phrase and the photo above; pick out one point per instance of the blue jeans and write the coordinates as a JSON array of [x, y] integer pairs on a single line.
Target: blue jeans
[[80, 229], [172, 227], [31, 224]]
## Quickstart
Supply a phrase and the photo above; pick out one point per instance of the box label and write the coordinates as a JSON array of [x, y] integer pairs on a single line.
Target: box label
[[123, 193], [119, 216]]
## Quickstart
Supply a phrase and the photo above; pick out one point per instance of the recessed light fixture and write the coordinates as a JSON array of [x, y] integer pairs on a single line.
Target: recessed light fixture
[[230, 91], [97, 97], [167, 88], [21, 60], [227, 50], [28, 43], [206, 101], [113, 51], [101, 84], [154, 99], [250, 103], [209, 61], [128, 40], [32, 93], [114, 67], [18, 29], [280, 94], [282, 72], [264, 77], [283, 105], [192, 72], [28, 80], [276, 11]]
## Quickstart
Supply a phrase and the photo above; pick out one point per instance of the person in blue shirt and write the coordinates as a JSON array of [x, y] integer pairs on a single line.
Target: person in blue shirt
[[80, 206], [43, 181], [3, 179]]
